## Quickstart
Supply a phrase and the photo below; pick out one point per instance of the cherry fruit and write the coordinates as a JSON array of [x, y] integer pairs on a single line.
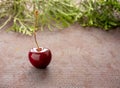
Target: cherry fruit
[[40, 58]]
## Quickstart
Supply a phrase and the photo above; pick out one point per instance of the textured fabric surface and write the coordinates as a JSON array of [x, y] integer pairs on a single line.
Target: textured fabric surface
[[82, 58]]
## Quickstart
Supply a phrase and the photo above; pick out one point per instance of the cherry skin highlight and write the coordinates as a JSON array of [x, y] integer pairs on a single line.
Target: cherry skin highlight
[[40, 59]]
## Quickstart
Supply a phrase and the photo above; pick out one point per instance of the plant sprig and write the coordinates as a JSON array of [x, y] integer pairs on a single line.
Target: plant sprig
[[59, 14], [100, 13], [17, 12]]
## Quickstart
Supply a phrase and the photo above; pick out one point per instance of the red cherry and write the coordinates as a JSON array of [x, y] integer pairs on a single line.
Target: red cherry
[[40, 59]]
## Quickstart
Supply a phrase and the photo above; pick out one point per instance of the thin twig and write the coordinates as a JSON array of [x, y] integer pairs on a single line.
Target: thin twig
[[5, 23]]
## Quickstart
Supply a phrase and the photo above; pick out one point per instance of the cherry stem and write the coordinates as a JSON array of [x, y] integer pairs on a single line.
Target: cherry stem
[[36, 27]]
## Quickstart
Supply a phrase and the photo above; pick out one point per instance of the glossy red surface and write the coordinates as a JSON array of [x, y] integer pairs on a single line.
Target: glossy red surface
[[40, 59]]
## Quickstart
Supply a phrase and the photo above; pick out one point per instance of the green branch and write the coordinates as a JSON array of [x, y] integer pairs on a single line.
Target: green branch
[[5, 23]]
